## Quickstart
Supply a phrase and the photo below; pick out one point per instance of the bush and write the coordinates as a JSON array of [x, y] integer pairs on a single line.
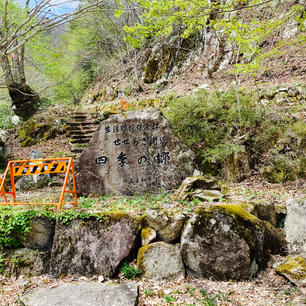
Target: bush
[[215, 126]]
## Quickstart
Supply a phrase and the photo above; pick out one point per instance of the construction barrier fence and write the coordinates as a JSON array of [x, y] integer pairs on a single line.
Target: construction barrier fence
[[37, 167]]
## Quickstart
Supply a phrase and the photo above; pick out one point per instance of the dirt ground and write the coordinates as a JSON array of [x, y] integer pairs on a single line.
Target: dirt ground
[[267, 289]]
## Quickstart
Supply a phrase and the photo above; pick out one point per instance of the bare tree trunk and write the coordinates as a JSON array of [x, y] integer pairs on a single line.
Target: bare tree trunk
[[25, 100]]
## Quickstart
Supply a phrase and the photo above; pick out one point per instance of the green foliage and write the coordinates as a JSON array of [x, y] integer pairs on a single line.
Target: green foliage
[[2, 260], [209, 122], [245, 25], [16, 16], [12, 224], [169, 299], [15, 222], [66, 216], [215, 126], [6, 112], [86, 47], [129, 271], [85, 202], [207, 300], [149, 292]]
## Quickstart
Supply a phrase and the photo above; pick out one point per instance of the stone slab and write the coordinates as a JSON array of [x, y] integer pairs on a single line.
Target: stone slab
[[131, 153], [83, 294]]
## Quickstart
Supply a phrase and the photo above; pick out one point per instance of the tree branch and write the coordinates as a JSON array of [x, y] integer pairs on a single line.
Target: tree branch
[[38, 21]]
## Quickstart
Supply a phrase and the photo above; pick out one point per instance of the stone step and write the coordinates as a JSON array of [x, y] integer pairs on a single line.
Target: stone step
[[79, 137], [83, 123], [79, 141], [77, 150], [77, 129], [79, 117], [78, 134]]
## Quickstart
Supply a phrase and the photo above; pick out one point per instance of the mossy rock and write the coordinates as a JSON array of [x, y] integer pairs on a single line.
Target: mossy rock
[[196, 184], [148, 235], [282, 169], [293, 267], [160, 261], [26, 262], [226, 242], [263, 210], [38, 129], [94, 245]]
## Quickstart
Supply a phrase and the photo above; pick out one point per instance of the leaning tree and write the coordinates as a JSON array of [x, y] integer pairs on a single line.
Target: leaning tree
[[19, 24]]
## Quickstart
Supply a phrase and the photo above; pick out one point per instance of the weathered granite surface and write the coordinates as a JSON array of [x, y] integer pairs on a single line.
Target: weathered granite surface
[[226, 242], [133, 152], [295, 223], [160, 261], [40, 236], [168, 225], [89, 247], [81, 294]]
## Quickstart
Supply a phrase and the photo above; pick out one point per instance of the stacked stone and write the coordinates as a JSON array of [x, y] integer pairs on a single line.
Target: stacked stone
[[80, 130]]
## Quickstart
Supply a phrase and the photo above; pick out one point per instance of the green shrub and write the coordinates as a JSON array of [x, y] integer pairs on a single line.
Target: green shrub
[[209, 122], [13, 223], [129, 271], [216, 125]]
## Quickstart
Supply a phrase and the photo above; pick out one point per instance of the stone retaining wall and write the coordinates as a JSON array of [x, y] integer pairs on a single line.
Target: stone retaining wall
[[221, 241]]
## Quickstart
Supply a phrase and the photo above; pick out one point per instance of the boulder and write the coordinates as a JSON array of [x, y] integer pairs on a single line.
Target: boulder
[[195, 184], [40, 236], [295, 223], [160, 261], [148, 235], [31, 182], [131, 153], [88, 247], [26, 262], [81, 294], [293, 267], [207, 195], [167, 225], [263, 210], [26, 183], [38, 129], [226, 242]]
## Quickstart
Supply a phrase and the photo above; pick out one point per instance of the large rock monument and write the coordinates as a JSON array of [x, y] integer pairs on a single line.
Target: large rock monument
[[133, 152]]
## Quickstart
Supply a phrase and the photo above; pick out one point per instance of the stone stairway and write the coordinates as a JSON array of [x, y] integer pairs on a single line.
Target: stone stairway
[[80, 130]]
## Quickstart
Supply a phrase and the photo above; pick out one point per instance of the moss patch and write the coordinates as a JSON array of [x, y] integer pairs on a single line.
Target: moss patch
[[141, 255], [236, 210], [146, 233], [39, 129], [294, 268]]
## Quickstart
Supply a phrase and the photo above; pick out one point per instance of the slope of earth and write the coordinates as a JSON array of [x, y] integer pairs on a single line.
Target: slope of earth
[[289, 67]]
